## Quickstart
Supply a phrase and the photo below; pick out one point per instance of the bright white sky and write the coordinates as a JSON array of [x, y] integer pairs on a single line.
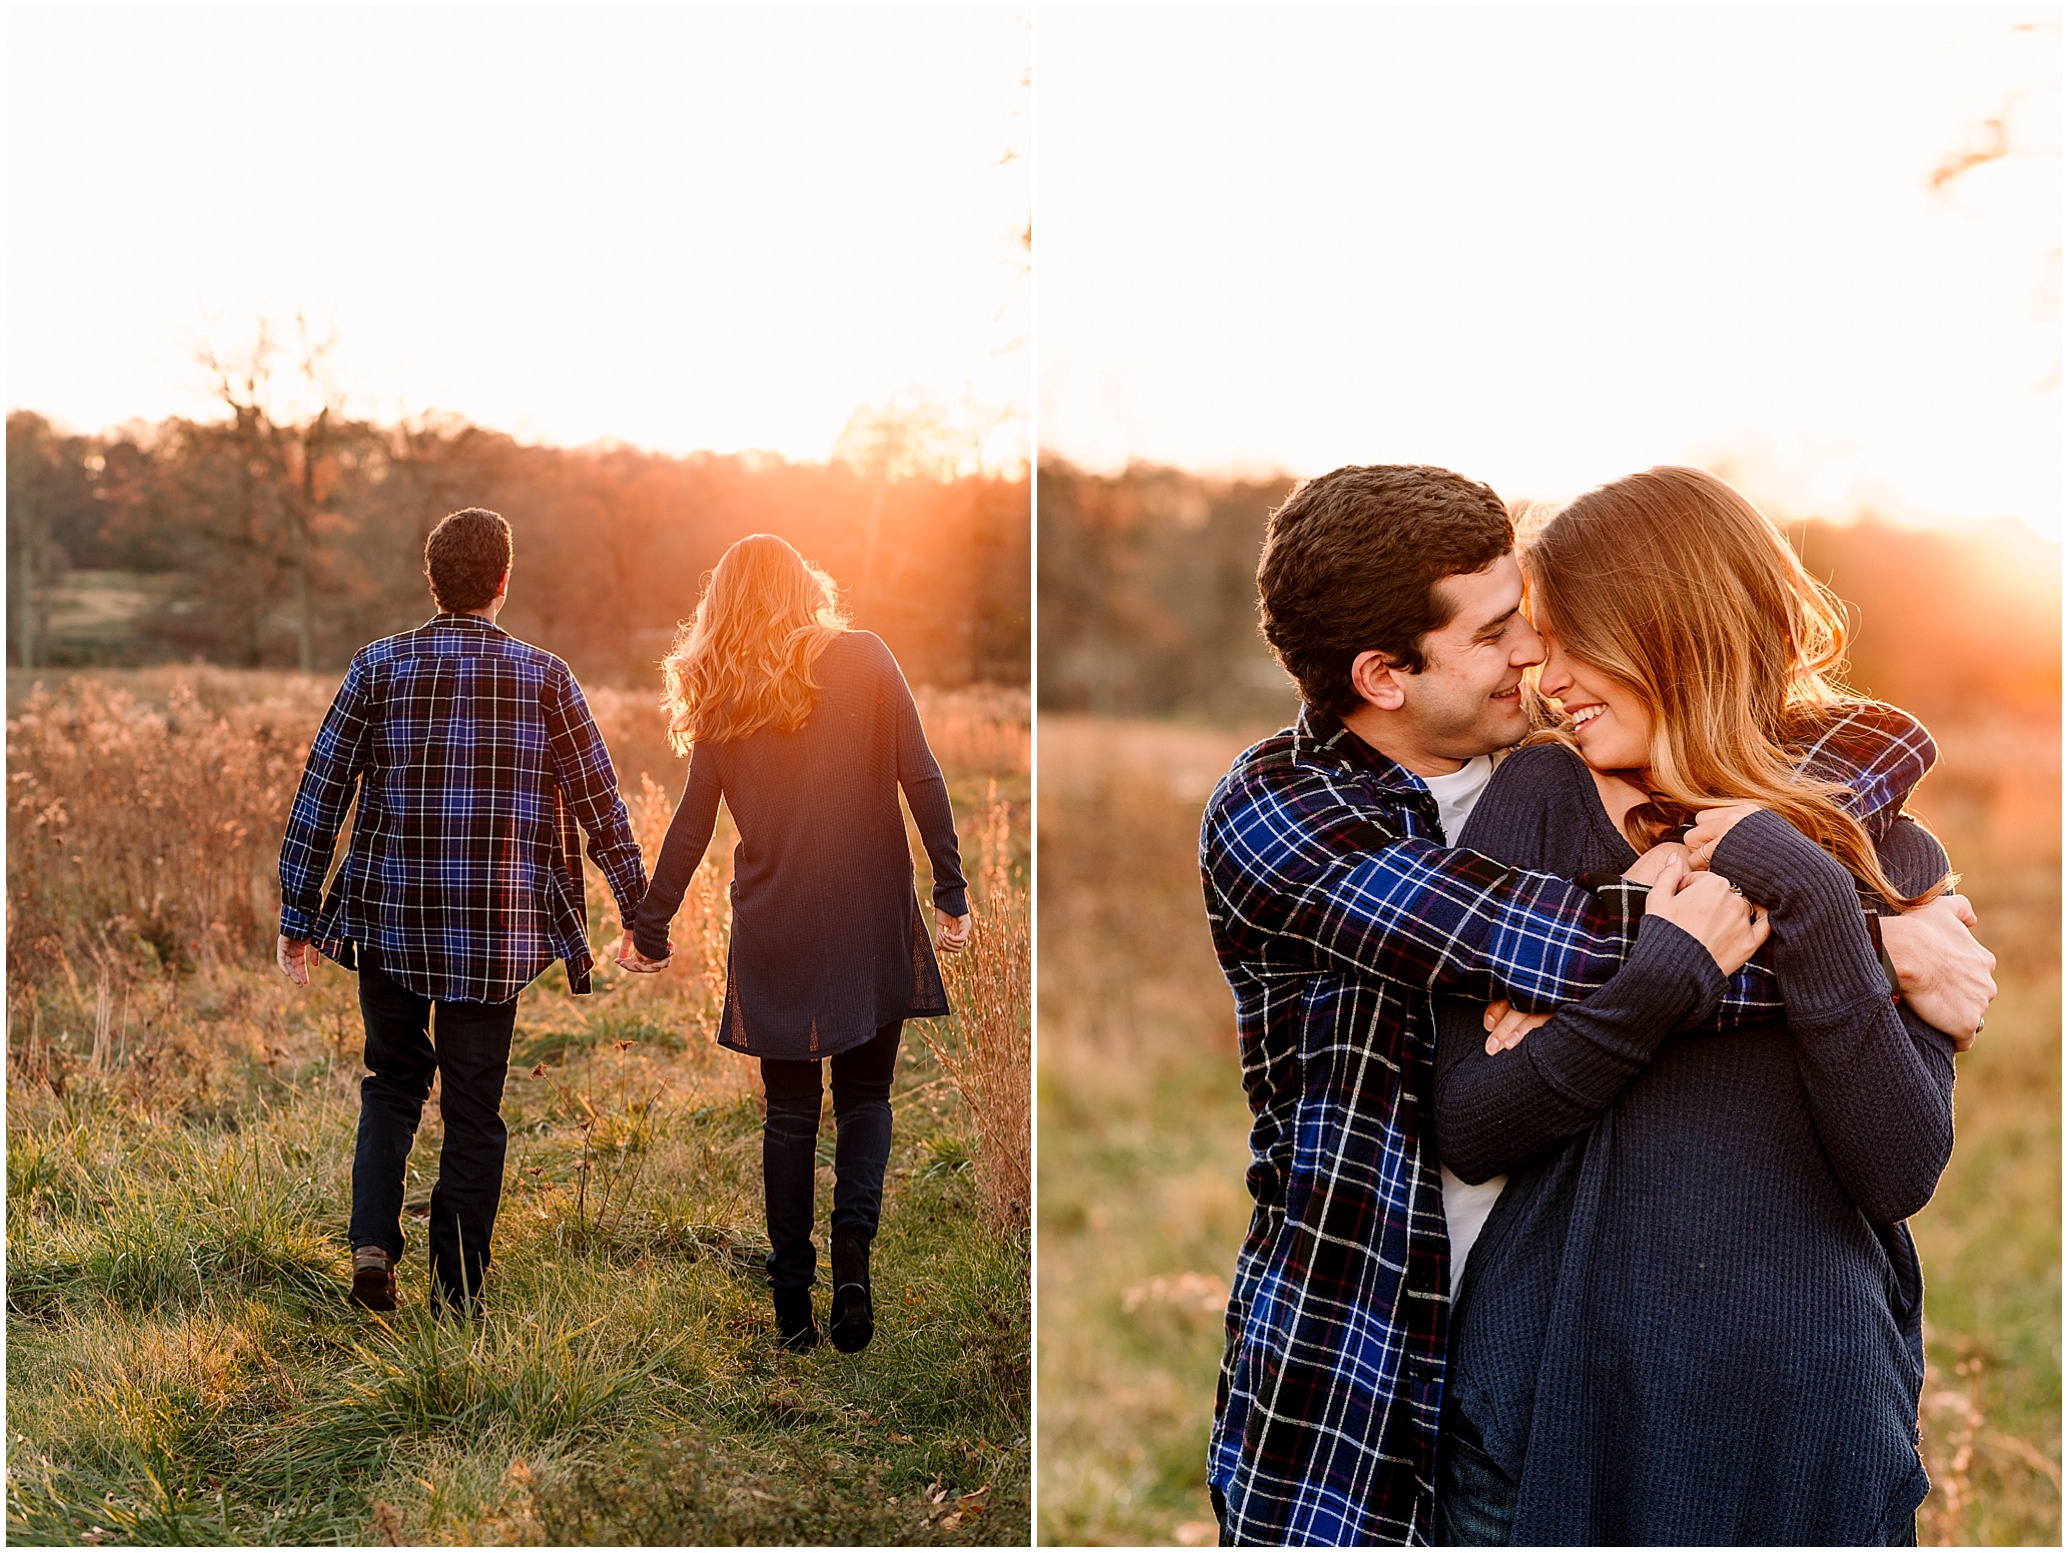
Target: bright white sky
[[684, 229], [1547, 247]]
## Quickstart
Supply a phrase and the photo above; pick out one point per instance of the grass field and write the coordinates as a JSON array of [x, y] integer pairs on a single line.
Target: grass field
[[182, 1365], [1143, 1144]]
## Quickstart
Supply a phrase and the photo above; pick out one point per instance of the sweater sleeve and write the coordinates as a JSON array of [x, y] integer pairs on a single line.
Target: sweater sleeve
[[689, 833], [1501, 1112], [1880, 1083], [919, 774]]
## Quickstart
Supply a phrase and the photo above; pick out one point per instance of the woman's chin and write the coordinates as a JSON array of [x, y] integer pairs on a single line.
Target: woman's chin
[[1603, 757]]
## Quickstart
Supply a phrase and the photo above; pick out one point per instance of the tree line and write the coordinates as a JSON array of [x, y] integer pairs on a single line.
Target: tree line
[[1148, 603], [287, 533]]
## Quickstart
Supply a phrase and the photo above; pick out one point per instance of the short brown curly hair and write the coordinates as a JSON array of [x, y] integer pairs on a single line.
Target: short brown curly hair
[[466, 557], [1351, 561]]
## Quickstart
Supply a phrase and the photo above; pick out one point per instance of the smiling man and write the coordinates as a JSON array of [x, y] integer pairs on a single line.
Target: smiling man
[[1391, 593]]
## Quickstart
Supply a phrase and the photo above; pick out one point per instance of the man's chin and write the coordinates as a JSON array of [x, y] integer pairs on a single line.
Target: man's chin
[[1506, 723]]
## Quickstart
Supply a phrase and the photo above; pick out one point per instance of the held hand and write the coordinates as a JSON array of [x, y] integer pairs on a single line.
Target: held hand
[[1506, 1025], [1942, 970], [951, 934], [629, 958], [1710, 827], [1663, 864], [293, 956], [1709, 908]]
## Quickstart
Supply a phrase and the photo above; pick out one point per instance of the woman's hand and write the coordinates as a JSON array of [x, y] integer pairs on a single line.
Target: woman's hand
[[1710, 827], [629, 958], [1709, 908], [1506, 1025], [951, 934], [1666, 860]]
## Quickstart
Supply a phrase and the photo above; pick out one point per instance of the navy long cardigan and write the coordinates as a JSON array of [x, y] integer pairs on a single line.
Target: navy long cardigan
[[828, 942], [1694, 1315]]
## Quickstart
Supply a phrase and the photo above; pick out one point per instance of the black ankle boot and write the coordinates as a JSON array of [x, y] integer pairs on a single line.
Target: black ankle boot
[[794, 1327], [854, 1320]]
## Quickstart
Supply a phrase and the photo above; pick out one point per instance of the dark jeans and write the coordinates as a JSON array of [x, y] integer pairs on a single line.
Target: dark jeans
[[1475, 1499], [789, 1149], [472, 1051]]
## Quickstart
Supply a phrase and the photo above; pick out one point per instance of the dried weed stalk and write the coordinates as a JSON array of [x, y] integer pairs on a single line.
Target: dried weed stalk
[[986, 1052]]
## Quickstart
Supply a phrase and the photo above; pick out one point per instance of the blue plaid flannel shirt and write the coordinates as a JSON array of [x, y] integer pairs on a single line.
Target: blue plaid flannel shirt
[[1337, 914], [475, 759]]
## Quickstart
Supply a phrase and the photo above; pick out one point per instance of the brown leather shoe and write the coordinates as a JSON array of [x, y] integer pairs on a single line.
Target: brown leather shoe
[[373, 1279]]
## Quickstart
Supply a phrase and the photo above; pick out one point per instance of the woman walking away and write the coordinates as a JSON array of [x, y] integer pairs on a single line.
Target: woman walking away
[[807, 730]]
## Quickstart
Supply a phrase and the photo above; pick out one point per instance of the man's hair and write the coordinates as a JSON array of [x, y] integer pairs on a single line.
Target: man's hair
[[465, 558], [1351, 562]]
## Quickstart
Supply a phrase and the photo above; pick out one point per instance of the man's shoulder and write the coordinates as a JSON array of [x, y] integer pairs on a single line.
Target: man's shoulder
[[1268, 768], [442, 638], [1274, 790]]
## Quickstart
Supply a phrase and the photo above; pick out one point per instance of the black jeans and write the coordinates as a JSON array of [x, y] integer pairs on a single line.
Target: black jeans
[[473, 1054], [1475, 1499], [789, 1149]]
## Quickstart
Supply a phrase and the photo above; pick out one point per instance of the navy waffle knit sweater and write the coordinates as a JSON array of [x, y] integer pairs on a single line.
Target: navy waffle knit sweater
[[1695, 1316], [828, 942]]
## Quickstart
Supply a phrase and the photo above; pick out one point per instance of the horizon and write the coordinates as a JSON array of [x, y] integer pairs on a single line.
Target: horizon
[[1010, 473]]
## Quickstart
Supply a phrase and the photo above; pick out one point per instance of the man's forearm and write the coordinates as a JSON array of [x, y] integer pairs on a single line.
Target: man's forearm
[[1435, 919]]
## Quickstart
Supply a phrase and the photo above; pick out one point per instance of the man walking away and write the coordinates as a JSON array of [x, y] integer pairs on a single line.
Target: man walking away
[[475, 759]]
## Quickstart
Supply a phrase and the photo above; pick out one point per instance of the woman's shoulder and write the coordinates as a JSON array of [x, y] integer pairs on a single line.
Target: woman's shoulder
[[1536, 810], [859, 647], [1538, 767]]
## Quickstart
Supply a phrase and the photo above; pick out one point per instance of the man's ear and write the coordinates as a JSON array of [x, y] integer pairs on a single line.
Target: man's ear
[[1377, 679]]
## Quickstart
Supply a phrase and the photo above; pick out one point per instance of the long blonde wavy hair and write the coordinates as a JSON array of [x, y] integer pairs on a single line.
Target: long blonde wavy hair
[[1677, 588], [744, 661]]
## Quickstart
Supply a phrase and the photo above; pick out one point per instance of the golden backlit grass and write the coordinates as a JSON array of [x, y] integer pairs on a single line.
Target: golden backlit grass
[[1143, 1144], [183, 1367]]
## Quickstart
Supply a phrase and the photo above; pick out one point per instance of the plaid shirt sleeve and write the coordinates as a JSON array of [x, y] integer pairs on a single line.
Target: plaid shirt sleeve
[[1305, 878], [1878, 754], [340, 753], [588, 785]]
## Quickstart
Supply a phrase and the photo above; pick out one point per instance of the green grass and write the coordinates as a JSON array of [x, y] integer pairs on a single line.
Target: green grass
[[184, 1369], [1143, 1129]]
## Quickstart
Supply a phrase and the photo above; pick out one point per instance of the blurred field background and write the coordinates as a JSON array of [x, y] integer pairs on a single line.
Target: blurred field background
[[1153, 678], [183, 1367]]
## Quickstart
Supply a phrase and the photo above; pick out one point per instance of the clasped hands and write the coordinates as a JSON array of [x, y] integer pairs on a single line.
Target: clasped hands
[[951, 936], [1942, 970]]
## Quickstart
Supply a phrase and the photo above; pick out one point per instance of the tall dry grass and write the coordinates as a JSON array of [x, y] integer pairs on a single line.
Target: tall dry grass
[[142, 829], [146, 809], [987, 1051], [182, 1366]]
